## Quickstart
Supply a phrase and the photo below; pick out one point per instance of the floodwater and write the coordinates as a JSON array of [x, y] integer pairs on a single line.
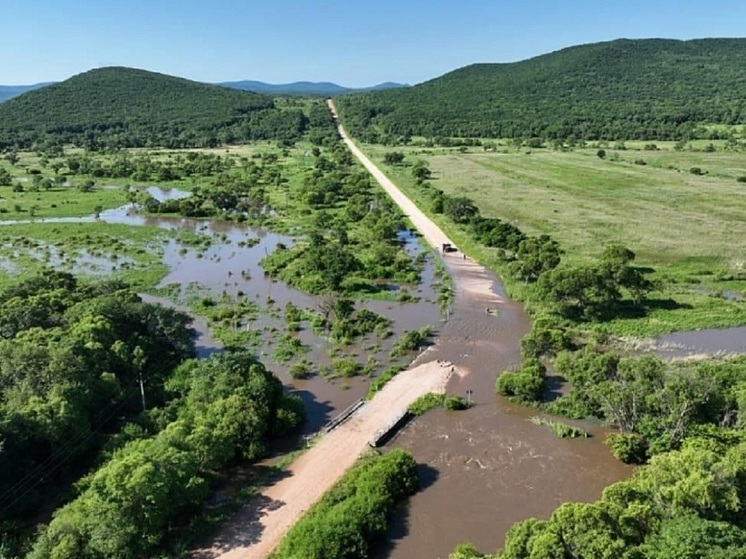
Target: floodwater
[[483, 469], [205, 343], [712, 341], [229, 265], [488, 467]]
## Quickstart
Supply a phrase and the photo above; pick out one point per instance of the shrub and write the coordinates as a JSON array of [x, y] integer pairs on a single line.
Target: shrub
[[560, 430], [527, 385], [345, 367], [431, 400], [301, 370], [547, 337], [410, 341], [381, 380], [425, 403], [288, 347], [457, 403], [355, 512], [630, 448]]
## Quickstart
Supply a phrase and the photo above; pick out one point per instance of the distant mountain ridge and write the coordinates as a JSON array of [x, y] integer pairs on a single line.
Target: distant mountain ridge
[[305, 88], [10, 91], [295, 88], [622, 89]]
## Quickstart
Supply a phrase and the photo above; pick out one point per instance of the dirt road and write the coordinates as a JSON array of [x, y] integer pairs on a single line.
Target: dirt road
[[468, 277], [259, 527]]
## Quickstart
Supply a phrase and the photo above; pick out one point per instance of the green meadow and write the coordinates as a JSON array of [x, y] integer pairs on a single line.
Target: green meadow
[[683, 212]]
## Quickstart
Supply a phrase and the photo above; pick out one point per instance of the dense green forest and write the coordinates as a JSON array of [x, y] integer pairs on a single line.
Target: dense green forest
[[624, 89], [94, 381], [125, 107]]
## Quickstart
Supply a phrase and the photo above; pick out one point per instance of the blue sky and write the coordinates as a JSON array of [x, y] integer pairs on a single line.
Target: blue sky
[[351, 42]]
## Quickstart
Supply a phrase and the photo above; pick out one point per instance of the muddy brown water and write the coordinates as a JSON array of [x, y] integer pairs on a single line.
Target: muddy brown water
[[488, 467], [483, 469]]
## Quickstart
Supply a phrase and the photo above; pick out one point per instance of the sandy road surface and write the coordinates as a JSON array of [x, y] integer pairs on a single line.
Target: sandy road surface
[[469, 278], [259, 526]]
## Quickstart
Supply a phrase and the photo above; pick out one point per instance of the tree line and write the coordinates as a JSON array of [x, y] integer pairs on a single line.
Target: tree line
[[96, 383]]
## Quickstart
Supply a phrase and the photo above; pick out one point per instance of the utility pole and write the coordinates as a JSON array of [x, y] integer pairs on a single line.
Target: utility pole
[[142, 389], [138, 360]]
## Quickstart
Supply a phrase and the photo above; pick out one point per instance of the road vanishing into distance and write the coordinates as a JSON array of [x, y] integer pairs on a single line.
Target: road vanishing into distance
[[492, 453], [256, 530]]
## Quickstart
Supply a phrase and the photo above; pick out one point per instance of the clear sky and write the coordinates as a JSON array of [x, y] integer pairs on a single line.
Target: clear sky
[[351, 42]]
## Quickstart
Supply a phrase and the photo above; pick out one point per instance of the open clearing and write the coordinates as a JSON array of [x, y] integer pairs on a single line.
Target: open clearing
[[666, 214], [689, 229]]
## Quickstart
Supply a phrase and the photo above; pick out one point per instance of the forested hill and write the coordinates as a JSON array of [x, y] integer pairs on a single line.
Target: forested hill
[[623, 89], [126, 107]]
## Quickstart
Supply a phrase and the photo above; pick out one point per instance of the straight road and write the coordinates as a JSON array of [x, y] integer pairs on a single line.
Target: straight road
[[257, 529]]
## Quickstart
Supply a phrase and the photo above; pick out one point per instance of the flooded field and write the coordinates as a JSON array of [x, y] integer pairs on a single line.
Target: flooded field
[[227, 265], [483, 469]]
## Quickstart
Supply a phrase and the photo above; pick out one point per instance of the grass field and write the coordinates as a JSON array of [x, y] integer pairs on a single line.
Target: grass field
[[690, 228], [57, 202]]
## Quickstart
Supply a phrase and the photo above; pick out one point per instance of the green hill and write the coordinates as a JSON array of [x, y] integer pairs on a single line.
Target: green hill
[[126, 107], [623, 89]]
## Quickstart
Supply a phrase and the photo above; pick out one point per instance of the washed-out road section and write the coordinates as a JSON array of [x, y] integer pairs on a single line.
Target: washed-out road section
[[256, 530]]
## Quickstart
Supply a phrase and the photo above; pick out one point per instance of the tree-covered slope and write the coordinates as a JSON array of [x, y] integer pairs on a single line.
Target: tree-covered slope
[[652, 88], [129, 107]]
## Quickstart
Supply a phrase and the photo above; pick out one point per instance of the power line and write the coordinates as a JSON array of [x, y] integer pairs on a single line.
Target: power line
[[42, 470]]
